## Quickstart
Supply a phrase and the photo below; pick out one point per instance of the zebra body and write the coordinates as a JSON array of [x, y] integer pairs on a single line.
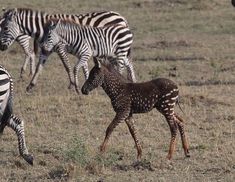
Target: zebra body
[[7, 118], [29, 22], [111, 42], [23, 41]]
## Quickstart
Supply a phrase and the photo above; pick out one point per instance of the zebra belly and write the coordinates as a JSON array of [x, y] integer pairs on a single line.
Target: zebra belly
[[141, 108]]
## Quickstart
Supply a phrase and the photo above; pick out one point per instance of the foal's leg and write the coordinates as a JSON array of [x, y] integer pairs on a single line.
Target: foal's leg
[[82, 62], [118, 119], [61, 51], [85, 70], [173, 127], [180, 124], [130, 69], [42, 59], [131, 126]]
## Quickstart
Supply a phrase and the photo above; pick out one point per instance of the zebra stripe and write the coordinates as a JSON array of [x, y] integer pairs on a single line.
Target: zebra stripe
[[85, 42], [29, 22], [23, 41], [7, 118]]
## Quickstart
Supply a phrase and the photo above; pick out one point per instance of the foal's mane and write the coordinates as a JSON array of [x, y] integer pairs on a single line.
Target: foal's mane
[[65, 22], [114, 72]]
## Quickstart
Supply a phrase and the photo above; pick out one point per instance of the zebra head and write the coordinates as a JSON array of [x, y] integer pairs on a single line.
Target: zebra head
[[10, 29], [50, 38], [95, 78]]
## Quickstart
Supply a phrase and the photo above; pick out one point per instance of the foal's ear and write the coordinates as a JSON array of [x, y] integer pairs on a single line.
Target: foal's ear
[[54, 23], [97, 63]]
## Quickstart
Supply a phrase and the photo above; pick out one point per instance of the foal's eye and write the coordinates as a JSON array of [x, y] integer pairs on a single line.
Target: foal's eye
[[5, 28]]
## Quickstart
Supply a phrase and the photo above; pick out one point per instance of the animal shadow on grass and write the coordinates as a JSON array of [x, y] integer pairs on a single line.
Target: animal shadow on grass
[[138, 165], [59, 173]]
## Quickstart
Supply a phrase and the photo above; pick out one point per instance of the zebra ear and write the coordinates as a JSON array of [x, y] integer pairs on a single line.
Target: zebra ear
[[97, 63], [9, 14]]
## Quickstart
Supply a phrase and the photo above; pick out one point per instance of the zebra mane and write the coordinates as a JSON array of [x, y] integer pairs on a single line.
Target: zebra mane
[[20, 10], [29, 10], [113, 71]]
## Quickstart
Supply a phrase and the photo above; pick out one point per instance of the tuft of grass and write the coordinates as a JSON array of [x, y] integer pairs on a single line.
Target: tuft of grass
[[78, 152], [111, 158]]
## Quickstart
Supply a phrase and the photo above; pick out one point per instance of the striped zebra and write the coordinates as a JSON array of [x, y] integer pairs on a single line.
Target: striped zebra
[[20, 21], [7, 118], [111, 42], [23, 41]]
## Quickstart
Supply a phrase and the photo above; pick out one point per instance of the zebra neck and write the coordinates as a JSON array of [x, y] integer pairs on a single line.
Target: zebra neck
[[112, 86], [66, 35], [31, 22]]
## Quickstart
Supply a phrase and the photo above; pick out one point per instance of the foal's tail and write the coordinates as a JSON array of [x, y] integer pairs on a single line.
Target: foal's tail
[[177, 102]]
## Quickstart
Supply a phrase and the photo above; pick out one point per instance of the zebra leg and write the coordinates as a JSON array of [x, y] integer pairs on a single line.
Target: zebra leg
[[42, 60], [173, 127], [130, 123], [118, 119], [6, 115], [65, 60], [85, 70], [29, 54], [180, 124], [2, 127], [80, 63], [130, 70], [18, 126]]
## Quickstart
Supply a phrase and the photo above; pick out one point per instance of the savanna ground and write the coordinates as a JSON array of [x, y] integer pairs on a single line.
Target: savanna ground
[[189, 41]]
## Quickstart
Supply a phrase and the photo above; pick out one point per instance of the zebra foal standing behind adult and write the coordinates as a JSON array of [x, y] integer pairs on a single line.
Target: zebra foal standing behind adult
[[111, 42], [20, 21], [7, 118]]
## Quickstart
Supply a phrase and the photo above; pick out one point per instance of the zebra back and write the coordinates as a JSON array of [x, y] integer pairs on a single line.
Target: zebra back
[[32, 22], [102, 40]]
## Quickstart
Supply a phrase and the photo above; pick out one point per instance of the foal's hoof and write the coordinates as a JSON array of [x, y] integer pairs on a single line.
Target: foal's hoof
[[169, 157], [102, 149], [187, 154], [28, 158], [71, 85]]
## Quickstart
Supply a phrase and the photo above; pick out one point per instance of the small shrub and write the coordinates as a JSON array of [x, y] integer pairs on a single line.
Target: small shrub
[[110, 159], [78, 152]]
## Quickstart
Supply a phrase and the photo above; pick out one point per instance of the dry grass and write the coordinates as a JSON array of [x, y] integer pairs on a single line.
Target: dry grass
[[190, 42]]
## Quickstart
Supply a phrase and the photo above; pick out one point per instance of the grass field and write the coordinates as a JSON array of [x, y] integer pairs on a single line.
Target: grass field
[[189, 41]]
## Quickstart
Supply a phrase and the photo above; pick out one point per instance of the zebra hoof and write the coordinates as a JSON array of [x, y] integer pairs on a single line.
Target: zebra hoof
[[28, 158], [29, 87], [70, 87], [77, 91]]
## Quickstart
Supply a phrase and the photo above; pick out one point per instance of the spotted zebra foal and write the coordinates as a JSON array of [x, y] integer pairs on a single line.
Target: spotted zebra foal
[[7, 118], [130, 98]]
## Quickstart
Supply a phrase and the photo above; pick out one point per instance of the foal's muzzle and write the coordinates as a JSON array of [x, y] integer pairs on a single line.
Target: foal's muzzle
[[3, 47], [85, 91]]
